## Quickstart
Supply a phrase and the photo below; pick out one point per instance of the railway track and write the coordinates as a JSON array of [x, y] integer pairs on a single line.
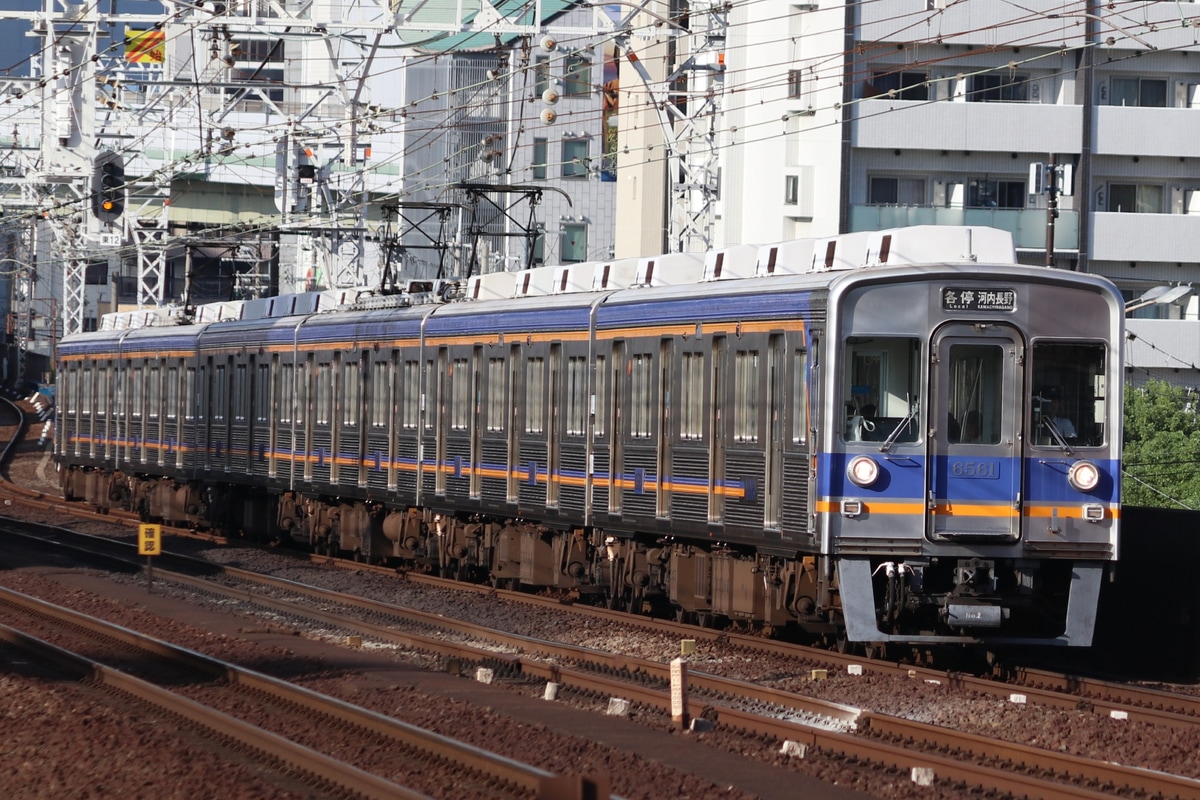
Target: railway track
[[980, 762], [284, 720]]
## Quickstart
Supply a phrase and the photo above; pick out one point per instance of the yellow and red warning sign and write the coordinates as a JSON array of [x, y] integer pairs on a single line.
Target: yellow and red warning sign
[[145, 47]]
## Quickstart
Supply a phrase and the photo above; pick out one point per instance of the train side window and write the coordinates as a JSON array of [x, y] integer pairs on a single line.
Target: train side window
[[641, 417], [381, 384], [286, 392], [239, 393], [691, 400], [85, 392], [216, 399], [102, 391], [577, 403], [496, 376], [189, 394], [172, 393], [745, 409], [351, 393], [535, 394], [1069, 395], [460, 394], [262, 394], [153, 393], [136, 392], [800, 396], [600, 400], [324, 393], [411, 417]]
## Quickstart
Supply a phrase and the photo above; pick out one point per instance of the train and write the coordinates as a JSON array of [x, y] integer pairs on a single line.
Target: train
[[900, 437]]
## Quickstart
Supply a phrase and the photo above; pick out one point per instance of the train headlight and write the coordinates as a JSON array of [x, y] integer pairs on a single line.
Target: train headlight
[[1083, 476], [862, 471]]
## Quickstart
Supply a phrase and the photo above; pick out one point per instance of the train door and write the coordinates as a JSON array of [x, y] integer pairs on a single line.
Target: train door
[[441, 427], [773, 479], [975, 445], [616, 492], [553, 436], [716, 462]]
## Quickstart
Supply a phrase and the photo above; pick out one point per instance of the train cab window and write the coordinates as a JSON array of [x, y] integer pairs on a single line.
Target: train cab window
[[881, 389], [577, 397], [1069, 395]]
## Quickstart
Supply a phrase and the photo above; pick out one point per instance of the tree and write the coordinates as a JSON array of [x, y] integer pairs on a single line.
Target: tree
[[1162, 447]]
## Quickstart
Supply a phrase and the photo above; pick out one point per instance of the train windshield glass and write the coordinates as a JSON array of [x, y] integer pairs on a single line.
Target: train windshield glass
[[1069, 402], [976, 393], [882, 389]]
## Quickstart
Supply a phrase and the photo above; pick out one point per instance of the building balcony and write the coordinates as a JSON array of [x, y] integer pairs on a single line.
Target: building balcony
[[966, 127], [1144, 132], [1028, 226], [1145, 237]]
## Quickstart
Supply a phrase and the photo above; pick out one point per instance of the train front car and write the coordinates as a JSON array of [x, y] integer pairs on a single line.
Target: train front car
[[970, 493]]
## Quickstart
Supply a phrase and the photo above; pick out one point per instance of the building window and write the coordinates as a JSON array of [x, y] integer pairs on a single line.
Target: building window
[[575, 158], [539, 248], [795, 83], [987, 193], [539, 159], [577, 75], [905, 85], [1129, 198], [1003, 88], [573, 245], [896, 192], [791, 189], [1148, 92]]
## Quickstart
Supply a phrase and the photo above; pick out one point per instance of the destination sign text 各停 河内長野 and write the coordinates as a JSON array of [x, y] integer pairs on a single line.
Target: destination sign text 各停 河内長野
[[956, 299]]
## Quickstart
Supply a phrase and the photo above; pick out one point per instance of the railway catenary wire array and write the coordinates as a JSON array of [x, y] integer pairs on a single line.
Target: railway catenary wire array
[[785, 448]]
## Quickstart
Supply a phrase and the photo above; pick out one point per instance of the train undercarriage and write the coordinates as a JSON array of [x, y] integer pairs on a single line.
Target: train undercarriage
[[699, 582]]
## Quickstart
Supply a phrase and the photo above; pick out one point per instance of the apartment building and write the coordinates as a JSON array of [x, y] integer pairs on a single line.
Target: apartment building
[[862, 116]]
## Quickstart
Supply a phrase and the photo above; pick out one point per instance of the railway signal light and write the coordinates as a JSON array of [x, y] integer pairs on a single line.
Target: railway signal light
[[108, 187]]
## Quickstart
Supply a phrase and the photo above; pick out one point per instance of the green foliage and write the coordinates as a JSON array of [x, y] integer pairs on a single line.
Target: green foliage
[[1162, 447]]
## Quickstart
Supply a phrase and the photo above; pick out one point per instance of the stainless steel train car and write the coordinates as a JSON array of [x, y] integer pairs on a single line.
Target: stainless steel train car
[[894, 437]]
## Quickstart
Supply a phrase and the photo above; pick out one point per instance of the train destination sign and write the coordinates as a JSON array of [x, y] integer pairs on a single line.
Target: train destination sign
[[961, 299]]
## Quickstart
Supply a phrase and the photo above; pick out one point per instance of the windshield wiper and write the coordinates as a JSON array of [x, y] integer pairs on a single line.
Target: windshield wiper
[[1048, 422], [891, 439]]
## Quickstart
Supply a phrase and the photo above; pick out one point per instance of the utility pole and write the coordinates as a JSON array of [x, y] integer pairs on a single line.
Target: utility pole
[[1051, 207]]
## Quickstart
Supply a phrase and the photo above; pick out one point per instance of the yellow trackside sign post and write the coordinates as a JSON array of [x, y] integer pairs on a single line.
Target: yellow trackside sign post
[[149, 544]]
